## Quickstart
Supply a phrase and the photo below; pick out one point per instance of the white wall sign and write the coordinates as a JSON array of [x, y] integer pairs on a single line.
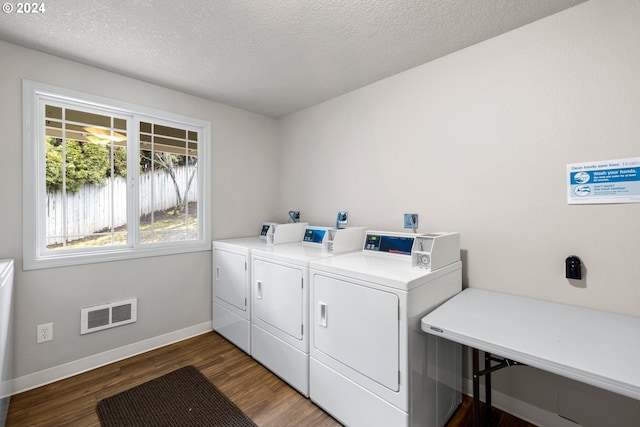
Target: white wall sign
[[606, 181]]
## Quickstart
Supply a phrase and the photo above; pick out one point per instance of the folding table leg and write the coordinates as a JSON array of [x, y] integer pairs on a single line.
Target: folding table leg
[[476, 388], [477, 373], [487, 388]]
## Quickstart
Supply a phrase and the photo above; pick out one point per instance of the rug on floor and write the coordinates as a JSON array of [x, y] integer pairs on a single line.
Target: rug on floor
[[182, 398]]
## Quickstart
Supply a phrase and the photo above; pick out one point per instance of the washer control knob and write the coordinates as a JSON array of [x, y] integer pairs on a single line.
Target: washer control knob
[[425, 260]]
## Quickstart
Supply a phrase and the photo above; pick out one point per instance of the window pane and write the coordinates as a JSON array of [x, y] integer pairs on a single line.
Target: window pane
[[86, 179], [168, 184]]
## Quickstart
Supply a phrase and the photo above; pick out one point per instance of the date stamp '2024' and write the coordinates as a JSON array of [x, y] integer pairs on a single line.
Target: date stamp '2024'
[[23, 8]]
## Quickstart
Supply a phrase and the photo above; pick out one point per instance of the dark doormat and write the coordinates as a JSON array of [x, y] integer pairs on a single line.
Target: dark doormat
[[178, 399]]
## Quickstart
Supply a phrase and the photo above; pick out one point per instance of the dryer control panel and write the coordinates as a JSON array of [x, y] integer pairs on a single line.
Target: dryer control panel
[[341, 240], [437, 250], [315, 235], [275, 233], [389, 243], [267, 228]]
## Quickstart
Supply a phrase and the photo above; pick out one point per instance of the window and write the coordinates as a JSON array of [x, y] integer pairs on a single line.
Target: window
[[104, 180]]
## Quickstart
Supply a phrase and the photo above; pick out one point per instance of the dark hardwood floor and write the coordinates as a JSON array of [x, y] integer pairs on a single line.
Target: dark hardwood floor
[[463, 417], [266, 399]]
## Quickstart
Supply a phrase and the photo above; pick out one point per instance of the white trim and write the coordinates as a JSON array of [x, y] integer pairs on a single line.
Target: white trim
[[116, 255], [33, 165], [66, 370]]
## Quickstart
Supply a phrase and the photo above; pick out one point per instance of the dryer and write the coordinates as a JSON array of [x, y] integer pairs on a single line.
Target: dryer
[[370, 363], [231, 309], [280, 299]]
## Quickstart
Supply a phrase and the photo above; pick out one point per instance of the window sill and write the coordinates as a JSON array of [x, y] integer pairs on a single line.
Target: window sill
[[68, 260]]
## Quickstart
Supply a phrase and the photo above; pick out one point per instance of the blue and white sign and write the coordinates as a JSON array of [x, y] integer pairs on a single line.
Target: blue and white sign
[[607, 181]]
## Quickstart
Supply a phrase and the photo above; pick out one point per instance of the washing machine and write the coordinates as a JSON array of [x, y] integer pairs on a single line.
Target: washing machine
[[280, 299], [231, 310], [370, 363], [6, 336]]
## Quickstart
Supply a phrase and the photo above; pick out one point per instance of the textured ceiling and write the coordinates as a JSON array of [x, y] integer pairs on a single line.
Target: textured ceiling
[[273, 57]]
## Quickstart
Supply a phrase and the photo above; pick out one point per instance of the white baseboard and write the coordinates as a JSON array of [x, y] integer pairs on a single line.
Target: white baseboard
[[523, 410], [66, 370]]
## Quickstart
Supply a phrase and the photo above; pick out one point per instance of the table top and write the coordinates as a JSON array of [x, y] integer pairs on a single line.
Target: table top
[[591, 346]]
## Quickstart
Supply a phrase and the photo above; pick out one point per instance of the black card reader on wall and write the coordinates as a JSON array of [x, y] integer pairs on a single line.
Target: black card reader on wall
[[573, 268]]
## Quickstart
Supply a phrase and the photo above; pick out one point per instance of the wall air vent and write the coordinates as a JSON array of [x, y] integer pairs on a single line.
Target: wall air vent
[[106, 316]]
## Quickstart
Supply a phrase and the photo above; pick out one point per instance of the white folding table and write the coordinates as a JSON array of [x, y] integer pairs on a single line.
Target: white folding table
[[591, 346]]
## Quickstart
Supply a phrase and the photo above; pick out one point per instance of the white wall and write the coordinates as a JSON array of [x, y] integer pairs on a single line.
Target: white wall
[[478, 142], [174, 292]]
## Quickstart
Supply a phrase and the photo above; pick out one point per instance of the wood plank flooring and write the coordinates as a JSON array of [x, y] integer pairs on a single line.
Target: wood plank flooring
[[266, 399]]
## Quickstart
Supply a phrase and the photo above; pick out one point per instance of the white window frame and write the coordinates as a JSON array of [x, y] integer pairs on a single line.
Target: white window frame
[[35, 254]]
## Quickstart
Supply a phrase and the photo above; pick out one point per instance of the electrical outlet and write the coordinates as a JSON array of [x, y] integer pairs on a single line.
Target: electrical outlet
[[44, 333]]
